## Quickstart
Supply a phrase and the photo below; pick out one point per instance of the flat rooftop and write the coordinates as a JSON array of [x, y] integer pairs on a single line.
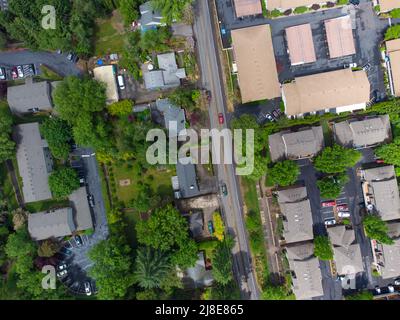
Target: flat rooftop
[[300, 44], [255, 59], [247, 7], [339, 34]]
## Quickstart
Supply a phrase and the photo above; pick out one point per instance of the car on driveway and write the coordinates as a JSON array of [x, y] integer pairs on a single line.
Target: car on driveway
[[326, 204], [220, 118], [62, 273], [2, 74], [61, 267], [390, 288], [20, 72], [224, 189], [330, 222], [378, 290], [14, 73], [397, 282], [366, 67], [91, 200], [66, 251], [78, 240], [210, 227], [344, 214], [276, 113], [269, 117], [342, 207]]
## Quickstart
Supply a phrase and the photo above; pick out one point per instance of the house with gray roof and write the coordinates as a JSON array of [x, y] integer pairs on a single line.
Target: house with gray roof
[[354, 133], [168, 75], [297, 216], [381, 192], [304, 143], [174, 117], [54, 224], [198, 276], [30, 97], [187, 178], [80, 205], [347, 253], [34, 162], [306, 272], [387, 258], [150, 18]]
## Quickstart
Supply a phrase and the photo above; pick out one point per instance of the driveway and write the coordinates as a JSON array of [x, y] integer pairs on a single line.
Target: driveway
[[57, 62], [78, 262]]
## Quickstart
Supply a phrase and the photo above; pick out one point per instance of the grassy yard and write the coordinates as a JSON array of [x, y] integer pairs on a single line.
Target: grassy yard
[[158, 179], [110, 35], [46, 205], [48, 74]]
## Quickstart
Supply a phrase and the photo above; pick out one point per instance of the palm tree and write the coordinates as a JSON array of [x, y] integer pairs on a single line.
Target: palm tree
[[152, 266]]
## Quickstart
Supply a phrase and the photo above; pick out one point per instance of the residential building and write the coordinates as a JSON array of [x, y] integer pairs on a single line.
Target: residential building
[[256, 65], [387, 257], [388, 5], [300, 44], [247, 7], [347, 253], [54, 224], [381, 192], [304, 143], [368, 132], [80, 205], [393, 64], [168, 74], [296, 212], [198, 276], [174, 117], [34, 162], [335, 91], [30, 97], [306, 272], [339, 34], [187, 177], [107, 75], [150, 18]]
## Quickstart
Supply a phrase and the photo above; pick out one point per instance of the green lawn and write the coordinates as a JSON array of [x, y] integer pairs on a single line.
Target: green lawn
[[46, 205], [108, 39], [159, 181], [48, 74]]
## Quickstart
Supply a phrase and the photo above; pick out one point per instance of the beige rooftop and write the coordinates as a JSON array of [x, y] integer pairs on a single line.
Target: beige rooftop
[[255, 59], [326, 91], [300, 44], [393, 50], [248, 7], [339, 34], [388, 5], [106, 75]]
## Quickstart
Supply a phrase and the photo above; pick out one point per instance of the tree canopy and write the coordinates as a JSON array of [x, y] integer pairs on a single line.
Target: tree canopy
[[330, 187], [58, 134], [120, 108], [323, 248], [284, 173], [377, 229], [222, 261], [7, 145], [362, 295], [112, 268], [336, 159], [390, 153], [171, 10], [63, 182]]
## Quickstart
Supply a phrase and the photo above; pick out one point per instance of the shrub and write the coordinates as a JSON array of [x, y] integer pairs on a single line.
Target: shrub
[[288, 12], [392, 32], [330, 4], [342, 2], [323, 248], [300, 10], [315, 6], [275, 13]]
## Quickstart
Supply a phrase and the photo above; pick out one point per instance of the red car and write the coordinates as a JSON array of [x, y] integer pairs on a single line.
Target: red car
[[328, 204], [379, 161], [14, 73], [220, 118], [342, 207]]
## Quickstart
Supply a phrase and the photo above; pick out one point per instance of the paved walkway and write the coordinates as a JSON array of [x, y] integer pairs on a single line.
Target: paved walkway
[[271, 238]]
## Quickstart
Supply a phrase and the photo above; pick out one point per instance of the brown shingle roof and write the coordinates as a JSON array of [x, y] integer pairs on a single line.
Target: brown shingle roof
[[393, 50], [339, 34], [254, 55], [325, 91], [248, 7], [300, 44]]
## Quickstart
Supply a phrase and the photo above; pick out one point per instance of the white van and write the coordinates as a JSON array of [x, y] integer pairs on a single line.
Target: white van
[[121, 82]]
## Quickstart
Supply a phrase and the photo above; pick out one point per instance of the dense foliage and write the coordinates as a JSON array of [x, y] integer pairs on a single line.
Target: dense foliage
[[7, 145], [222, 262], [63, 182], [323, 248], [58, 135], [284, 173], [330, 187], [336, 159], [377, 229], [171, 10]]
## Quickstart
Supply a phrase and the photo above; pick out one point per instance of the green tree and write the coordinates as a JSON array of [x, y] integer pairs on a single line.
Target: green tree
[[19, 218], [185, 98], [155, 40], [165, 229], [120, 108], [330, 187], [129, 10], [3, 40], [219, 227], [362, 295], [7, 146], [336, 159], [390, 153], [112, 268], [63, 182], [323, 248], [275, 293], [171, 10], [392, 32], [186, 256], [284, 173], [377, 229], [58, 134], [48, 248], [151, 267], [222, 262]]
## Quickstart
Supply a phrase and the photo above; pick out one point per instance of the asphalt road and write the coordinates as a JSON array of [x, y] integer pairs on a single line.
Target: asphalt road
[[57, 62], [231, 204]]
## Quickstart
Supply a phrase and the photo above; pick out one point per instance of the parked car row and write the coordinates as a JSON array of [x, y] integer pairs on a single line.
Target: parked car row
[[17, 72]]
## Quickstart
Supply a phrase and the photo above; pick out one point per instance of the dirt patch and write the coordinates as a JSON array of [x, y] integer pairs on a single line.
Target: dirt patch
[[125, 182], [117, 22]]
